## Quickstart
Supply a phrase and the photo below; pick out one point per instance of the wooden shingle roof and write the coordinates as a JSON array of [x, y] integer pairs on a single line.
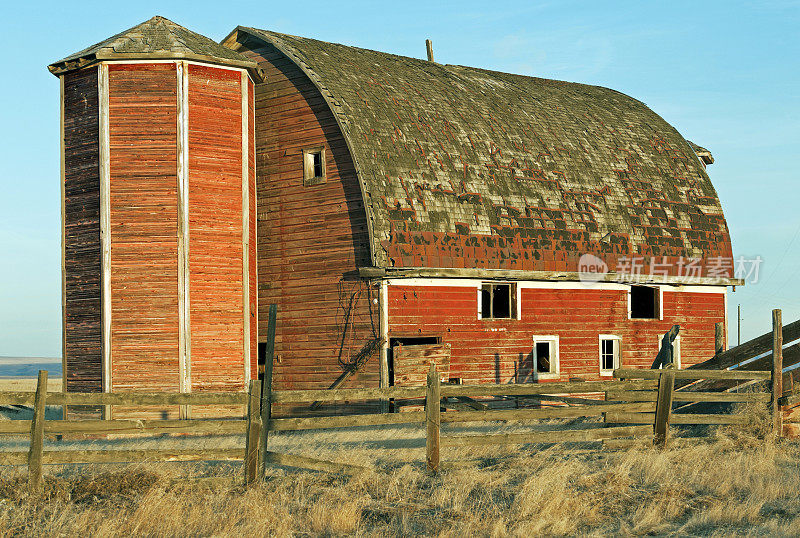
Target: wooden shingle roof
[[155, 39], [465, 167]]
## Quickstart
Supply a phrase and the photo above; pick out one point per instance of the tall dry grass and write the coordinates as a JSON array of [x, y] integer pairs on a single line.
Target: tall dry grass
[[738, 483]]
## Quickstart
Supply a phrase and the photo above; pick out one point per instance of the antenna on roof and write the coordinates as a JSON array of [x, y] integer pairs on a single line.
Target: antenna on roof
[[429, 46]]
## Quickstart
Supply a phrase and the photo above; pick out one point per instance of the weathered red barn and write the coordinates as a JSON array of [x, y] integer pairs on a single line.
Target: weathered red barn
[[520, 228]]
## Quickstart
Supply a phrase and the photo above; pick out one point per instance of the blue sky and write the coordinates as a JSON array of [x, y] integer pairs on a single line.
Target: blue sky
[[725, 74]]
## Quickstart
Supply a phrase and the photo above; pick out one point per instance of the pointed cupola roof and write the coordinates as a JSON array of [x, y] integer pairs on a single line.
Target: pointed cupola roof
[[156, 39]]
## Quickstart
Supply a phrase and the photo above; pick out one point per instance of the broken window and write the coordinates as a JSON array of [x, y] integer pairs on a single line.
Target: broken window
[[498, 301], [545, 355], [645, 303], [314, 166], [609, 354]]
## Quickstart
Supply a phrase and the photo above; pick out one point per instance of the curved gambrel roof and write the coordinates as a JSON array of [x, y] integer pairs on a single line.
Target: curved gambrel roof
[[464, 167]]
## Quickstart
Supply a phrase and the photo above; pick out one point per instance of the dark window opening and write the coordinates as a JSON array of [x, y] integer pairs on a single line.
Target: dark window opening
[[262, 359], [498, 301], [543, 357], [314, 166], [409, 341], [644, 302], [607, 354]]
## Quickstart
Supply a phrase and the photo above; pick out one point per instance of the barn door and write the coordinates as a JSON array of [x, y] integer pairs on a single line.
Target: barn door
[[412, 362]]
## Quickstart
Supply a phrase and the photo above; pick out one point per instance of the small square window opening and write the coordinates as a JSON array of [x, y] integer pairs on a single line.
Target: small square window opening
[[314, 166], [498, 301], [645, 303]]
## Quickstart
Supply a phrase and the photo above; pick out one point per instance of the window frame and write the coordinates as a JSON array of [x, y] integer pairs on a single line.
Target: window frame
[[514, 304], [617, 353], [659, 297], [555, 362], [309, 178], [676, 349]]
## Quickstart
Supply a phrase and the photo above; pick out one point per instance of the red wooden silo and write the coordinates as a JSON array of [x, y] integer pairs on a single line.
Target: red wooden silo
[[159, 226]]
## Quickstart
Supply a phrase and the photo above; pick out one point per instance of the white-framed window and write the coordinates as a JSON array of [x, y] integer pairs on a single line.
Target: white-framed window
[[609, 346], [676, 349], [645, 302], [545, 356], [498, 300]]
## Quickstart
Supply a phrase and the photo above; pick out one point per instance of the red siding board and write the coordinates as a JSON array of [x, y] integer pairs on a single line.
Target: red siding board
[[143, 223], [500, 350]]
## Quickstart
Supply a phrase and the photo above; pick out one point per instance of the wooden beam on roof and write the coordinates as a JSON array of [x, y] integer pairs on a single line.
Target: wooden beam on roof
[[553, 276]]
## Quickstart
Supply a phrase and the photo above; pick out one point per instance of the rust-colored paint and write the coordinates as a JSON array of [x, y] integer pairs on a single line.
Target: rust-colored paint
[[143, 223], [500, 351], [82, 331], [253, 255], [311, 240], [215, 229]]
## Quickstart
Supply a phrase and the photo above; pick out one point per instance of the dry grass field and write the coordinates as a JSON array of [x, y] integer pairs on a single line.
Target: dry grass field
[[736, 481]]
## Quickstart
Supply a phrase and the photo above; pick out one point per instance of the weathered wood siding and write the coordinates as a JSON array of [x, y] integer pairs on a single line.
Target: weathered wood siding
[[253, 220], [143, 219], [82, 330], [311, 239], [500, 351], [215, 229]]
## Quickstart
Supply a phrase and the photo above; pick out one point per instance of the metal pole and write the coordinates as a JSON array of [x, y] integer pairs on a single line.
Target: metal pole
[[739, 325]]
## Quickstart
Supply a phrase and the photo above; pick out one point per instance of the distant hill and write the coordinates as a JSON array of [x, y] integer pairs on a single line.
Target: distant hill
[[29, 366]]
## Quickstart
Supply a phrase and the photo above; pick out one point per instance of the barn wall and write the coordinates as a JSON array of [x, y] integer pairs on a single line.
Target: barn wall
[[253, 228], [143, 221], [499, 351], [215, 229], [311, 239], [81, 220]]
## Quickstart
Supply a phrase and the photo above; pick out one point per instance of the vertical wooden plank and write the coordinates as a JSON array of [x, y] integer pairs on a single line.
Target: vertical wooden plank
[[254, 426], [63, 249], [719, 338], [777, 369], [266, 388], [105, 228], [666, 384], [245, 225], [383, 380], [182, 140], [37, 433], [433, 420], [429, 49]]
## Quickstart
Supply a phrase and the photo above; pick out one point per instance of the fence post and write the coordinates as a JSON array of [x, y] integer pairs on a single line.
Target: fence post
[[433, 419], [37, 434], [251, 451], [777, 371], [719, 338], [666, 384], [266, 391]]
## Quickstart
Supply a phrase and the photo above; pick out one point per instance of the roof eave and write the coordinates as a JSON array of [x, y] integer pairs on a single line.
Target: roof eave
[[65, 66]]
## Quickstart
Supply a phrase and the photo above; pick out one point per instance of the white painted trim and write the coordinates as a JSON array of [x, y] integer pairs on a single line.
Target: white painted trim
[[617, 353], [539, 284], [105, 225], [173, 61], [554, 340], [245, 228], [63, 244], [421, 282], [184, 299], [384, 321]]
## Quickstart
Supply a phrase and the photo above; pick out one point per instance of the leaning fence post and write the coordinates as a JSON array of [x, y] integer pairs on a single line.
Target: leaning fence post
[[433, 419], [266, 391], [666, 384], [777, 371], [251, 451], [37, 433]]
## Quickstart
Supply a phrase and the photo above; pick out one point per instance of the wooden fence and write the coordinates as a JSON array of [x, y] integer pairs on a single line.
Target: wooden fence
[[635, 404]]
